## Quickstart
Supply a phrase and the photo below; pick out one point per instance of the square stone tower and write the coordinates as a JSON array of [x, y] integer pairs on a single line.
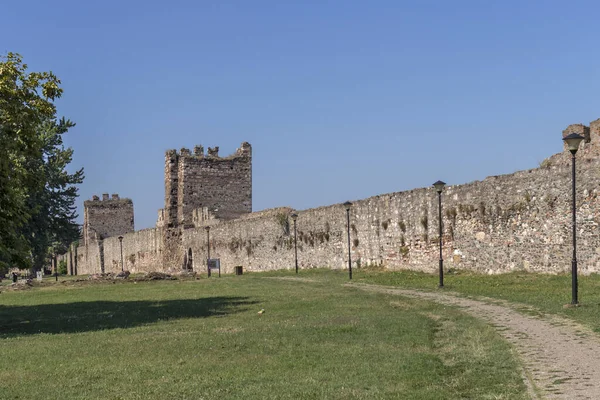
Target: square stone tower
[[222, 185], [107, 217]]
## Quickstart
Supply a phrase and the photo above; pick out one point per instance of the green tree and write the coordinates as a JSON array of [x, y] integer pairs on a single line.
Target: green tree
[[52, 196], [37, 194]]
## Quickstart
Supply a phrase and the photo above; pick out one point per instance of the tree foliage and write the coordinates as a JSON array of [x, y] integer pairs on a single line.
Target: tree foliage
[[37, 194]]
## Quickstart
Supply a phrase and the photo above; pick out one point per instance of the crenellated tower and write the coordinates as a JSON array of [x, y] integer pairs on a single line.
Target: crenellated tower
[[221, 185], [111, 216]]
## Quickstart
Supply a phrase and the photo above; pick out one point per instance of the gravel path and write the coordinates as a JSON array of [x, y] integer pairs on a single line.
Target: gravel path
[[561, 358]]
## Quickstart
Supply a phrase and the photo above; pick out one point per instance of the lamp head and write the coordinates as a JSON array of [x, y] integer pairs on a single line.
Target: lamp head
[[439, 186], [347, 205], [294, 216], [573, 140]]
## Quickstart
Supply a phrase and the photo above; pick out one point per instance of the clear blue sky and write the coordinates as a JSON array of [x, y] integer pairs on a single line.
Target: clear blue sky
[[339, 99]]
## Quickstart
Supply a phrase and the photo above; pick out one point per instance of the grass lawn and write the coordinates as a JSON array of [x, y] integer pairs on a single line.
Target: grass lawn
[[204, 339], [547, 293]]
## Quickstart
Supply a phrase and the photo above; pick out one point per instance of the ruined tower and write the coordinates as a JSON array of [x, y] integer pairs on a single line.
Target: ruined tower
[[220, 185], [107, 217]]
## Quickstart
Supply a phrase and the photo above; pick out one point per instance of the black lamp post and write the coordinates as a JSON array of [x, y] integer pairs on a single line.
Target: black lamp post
[[208, 249], [573, 140], [347, 205], [55, 260], [294, 218], [121, 245], [439, 187]]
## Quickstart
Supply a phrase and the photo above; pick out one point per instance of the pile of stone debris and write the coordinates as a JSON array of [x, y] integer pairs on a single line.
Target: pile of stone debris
[[21, 284], [109, 276], [156, 276], [150, 276]]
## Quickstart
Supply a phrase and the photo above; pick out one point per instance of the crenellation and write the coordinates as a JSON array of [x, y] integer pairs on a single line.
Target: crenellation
[[213, 151], [199, 151], [244, 150], [104, 196], [595, 131]]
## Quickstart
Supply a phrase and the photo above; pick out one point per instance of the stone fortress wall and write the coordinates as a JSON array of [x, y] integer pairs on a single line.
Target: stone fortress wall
[[518, 221]]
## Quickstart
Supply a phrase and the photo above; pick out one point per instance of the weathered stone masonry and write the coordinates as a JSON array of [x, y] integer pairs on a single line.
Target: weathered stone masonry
[[222, 186], [109, 217], [198, 187], [519, 221]]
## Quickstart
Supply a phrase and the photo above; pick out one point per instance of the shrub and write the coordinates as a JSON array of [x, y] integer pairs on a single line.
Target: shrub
[[62, 267], [402, 226], [284, 222], [546, 163], [404, 250], [425, 221]]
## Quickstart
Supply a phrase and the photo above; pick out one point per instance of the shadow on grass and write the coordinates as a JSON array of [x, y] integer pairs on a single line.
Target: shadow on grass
[[99, 315]]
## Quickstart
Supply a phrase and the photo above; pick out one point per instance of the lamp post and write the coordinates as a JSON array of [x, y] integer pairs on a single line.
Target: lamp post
[[347, 205], [208, 249], [573, 140], [55, 261], [294, 218], [439, 187], [121, 245]]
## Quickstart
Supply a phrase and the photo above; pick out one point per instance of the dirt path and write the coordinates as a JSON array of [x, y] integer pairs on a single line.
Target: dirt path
[[560, 357]]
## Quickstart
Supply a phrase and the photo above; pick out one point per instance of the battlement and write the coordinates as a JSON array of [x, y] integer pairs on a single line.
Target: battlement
[[590, 133], [106, 199], [245, 150]]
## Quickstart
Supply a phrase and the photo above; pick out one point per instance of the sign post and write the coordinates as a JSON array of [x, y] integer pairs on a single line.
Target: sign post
[[214, 263]]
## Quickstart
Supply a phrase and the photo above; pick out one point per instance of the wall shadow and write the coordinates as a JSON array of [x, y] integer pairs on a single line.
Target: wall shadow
[[100, 315]]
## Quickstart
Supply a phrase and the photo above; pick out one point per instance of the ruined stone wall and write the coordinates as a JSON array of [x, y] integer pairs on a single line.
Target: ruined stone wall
[[107, 217], [142, 251], [88, 258], [70, 258], [519, 221], [246, 241], [510, 222]]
